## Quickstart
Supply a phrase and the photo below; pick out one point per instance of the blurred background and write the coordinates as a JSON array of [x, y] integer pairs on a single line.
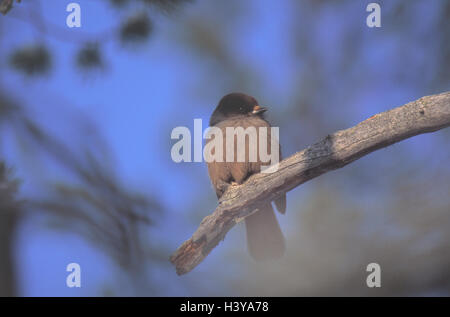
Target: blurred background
[[86, 174]]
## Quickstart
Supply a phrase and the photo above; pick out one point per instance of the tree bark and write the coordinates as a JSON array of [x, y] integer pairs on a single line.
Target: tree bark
[[427, 114]]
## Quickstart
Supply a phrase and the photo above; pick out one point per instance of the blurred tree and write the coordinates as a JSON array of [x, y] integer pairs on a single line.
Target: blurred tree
[[94, 204], [9, 215], [133, 29]]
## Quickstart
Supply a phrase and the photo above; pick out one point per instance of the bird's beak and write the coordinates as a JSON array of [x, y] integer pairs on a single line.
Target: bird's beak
[[257, 109]]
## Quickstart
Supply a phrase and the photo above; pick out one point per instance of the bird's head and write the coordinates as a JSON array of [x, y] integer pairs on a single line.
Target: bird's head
[[236, 104]]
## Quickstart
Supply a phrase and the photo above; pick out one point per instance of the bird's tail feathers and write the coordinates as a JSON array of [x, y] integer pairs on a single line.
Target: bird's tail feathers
[[264, 237]]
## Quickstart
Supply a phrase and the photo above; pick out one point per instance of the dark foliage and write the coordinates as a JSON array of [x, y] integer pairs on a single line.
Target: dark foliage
[[89, 57], [31, 60], [136, 29]]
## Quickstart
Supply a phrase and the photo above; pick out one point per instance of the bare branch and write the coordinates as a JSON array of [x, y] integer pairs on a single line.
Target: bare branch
[[427, 114]]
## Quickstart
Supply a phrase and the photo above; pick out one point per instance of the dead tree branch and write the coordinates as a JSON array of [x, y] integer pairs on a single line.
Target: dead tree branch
[[427, 114]]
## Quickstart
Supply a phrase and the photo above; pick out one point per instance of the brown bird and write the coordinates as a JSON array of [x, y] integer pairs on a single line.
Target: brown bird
[[264, 237]]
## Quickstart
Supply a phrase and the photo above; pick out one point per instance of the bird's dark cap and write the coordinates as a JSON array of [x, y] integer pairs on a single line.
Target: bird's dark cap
[[235, 104]]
